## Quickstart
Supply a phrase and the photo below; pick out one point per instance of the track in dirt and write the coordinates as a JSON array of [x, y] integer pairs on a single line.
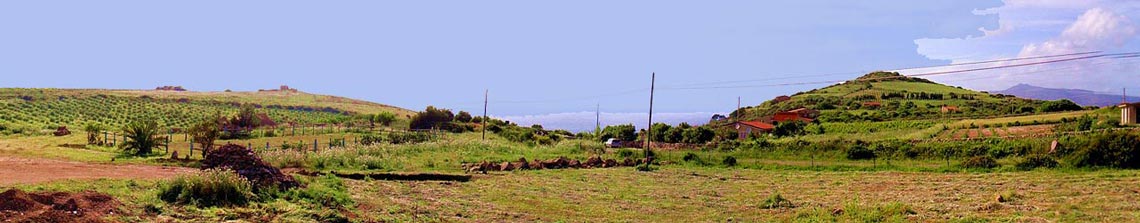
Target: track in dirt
[[14, 170]]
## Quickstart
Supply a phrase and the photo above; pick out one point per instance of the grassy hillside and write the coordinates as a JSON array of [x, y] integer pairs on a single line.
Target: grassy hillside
[[900, 97], [30, 111]]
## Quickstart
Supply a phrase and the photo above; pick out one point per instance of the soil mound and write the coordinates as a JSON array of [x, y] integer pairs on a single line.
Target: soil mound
[[246, 163], [20, 206]]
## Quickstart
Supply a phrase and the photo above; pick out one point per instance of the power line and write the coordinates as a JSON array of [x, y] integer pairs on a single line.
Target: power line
[[894, 69], [1110, 56]]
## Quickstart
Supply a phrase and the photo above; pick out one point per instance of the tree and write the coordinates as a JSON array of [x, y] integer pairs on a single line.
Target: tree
[[698, 135], [430, 118], [1058, 105], [659, 132], [463, 116], [791, 128], [385, 118], [206, 131], [141, 137], [625, 132]]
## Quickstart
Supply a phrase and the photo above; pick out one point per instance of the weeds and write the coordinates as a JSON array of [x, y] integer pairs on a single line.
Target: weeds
[[213, 187]]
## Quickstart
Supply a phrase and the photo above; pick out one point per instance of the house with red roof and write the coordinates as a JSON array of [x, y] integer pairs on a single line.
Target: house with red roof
[[748, 128]]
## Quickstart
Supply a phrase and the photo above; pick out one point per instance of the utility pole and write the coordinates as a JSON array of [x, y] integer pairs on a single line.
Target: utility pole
[[598, 120], [649, 130], [485, 92]]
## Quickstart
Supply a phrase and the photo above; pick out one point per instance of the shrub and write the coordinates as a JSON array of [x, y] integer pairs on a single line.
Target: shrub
[[691, 157], [327, 190], [1119, 149], [1037, 161], [860, 152], [625, 153], [729, 161], [208, 188], [984, 162], [776, 201]]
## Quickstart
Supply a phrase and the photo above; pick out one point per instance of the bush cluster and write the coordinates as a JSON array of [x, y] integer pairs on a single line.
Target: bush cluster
[[208, 188], [983, 162]]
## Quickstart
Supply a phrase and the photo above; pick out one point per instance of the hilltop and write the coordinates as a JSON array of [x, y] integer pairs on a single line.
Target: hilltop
[[30, 109], [880, 96]]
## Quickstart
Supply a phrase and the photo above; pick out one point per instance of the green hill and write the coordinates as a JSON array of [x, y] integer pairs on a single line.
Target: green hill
[[34, 110], [882, 96]]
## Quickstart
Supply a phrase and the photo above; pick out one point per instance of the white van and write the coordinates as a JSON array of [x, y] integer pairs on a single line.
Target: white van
[[613, 143]]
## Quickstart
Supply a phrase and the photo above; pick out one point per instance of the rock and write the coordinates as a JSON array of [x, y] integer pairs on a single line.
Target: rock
[[592, 162], [506, 166], [574, 164], [61, 131], [1000, 199], [174, 155], [628, 162], [837, 211], [609, 163]]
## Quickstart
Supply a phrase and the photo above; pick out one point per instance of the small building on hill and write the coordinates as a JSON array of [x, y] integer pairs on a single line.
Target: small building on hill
[[748, 128], [1128, 113]]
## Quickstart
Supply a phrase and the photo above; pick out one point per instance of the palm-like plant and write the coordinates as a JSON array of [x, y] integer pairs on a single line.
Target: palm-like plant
[[93, 130], [142, 136]]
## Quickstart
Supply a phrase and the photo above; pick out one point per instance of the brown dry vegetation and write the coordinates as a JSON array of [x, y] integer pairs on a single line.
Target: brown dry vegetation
[[717, 195]]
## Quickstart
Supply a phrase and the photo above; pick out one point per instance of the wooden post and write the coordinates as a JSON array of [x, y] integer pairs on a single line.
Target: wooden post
[[191, 148], [315, 146], [485, 93], [649, 129]]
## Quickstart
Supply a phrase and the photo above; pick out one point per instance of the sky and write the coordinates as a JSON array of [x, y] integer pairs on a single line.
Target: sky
[[553, 61]]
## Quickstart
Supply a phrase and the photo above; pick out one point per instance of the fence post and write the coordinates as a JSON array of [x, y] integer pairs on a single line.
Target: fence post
[[315, 146], [266, 145], [191, 148]]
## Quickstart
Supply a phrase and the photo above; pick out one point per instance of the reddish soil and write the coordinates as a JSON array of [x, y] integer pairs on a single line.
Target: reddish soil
[[30, 170], [987, 132], [1030, 130], [19, 206], [972, 133]]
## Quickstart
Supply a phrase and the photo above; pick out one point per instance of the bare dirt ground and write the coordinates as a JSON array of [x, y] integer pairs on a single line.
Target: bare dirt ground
[[16, 170]]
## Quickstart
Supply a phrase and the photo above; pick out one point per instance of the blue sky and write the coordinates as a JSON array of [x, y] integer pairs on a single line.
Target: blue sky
[[538, 57]]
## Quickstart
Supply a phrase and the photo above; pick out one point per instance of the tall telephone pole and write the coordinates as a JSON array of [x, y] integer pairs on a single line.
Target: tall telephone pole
[[649, 130], [485, 92], [598, 119]]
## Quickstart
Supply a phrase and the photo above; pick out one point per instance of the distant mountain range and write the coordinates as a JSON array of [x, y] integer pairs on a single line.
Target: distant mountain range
[[1082, 97]]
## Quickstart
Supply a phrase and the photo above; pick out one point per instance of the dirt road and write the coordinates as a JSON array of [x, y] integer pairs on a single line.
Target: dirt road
[[14, 170]]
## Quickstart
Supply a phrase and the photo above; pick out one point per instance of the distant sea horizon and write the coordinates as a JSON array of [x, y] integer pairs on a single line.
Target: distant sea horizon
[[585, 121]]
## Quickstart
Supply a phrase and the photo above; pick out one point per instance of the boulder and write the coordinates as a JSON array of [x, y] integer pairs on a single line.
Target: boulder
[[574, 164], [628, 162], [61, 131], [592, 162], [609, 163]]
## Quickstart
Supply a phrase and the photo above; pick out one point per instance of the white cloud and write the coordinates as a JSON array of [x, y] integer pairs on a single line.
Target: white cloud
[[1039, 28], [1096, 29]]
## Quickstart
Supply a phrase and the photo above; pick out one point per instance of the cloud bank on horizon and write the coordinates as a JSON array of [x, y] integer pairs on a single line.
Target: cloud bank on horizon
[[586, 121], [1041, 28]]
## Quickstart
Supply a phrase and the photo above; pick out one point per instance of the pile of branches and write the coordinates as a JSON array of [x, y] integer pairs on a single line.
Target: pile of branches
[[246, 163]]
